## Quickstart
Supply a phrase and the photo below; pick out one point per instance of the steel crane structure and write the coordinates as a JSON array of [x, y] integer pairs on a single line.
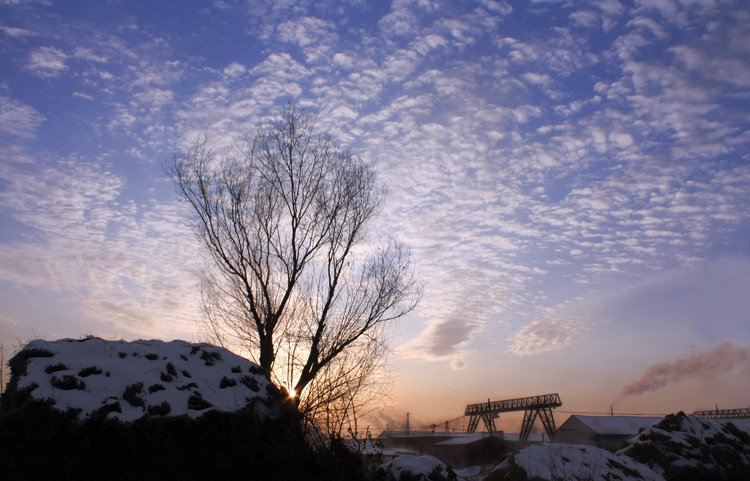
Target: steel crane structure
[[532, 406], [724, 413]]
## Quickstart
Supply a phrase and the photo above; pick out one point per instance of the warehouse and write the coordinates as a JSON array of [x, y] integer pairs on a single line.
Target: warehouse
[[606, 432]]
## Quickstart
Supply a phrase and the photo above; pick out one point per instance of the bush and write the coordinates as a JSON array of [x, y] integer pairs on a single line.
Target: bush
[[38, 442], [42, 440]]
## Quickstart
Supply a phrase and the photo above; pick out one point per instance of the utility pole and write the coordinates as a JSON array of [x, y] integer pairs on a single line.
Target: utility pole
[[407, 424]]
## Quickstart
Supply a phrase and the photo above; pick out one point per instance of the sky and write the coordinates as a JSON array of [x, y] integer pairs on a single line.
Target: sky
[[572, 178]]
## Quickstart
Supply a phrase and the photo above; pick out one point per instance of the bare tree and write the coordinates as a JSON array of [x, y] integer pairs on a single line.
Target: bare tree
[[291, 278], [2, 369]]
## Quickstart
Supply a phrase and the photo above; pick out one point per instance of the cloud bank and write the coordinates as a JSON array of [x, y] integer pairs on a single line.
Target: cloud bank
[[532, 151]]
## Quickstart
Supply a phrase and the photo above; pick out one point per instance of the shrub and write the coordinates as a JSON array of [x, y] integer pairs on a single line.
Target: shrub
[[55, 368], [37, 442], [226, 382], [131, 395], [88, 371], [67, 382], [198, 403], [155, 388]]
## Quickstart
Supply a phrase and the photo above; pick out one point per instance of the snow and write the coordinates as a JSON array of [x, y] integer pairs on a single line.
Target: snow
[[691, 441], [533, 437], [129, 380], [418, 467], [697, 445], [465, 439], [571, 461], [469, 471], [411, 433], [617, 425]]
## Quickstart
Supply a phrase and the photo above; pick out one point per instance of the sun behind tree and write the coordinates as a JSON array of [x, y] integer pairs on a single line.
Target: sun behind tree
[[293, 281]]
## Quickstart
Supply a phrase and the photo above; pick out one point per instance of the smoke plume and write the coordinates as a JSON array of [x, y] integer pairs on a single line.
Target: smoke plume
[[723, 358]]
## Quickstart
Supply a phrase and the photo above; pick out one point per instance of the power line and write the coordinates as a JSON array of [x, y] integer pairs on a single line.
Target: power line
[[438, 425], [612, 413]]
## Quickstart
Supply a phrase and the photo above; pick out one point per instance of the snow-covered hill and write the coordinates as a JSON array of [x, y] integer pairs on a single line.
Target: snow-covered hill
[[92, 409], [677, 448], [91, 377], [408, 467], [557, 461], [687, 447]]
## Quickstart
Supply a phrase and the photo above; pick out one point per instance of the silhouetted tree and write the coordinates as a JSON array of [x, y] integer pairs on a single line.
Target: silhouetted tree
[[292, 279]]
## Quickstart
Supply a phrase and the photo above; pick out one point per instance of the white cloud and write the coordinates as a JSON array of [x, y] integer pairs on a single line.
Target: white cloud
[[280, 65], [429, 42], [621, 139], [399, 22], [305, 31], [537, 79], [153, 98], [459, 29], [234, 69], [586, 18], [47, 62], [17, 118], [83, 96], [343, 60], [510, 161], [649, 24], [546, 335], [502, 7], [735, 71], [125, 264], [88, 54], [17, 32]]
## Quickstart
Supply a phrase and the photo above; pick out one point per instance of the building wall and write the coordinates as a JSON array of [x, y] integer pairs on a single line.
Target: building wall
[[458, 455], [574, 431], [478, 453], [418, 444]]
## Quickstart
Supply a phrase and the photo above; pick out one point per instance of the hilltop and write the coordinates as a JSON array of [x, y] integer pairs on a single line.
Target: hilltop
[[93, 378], [95, 409], [677, 448]]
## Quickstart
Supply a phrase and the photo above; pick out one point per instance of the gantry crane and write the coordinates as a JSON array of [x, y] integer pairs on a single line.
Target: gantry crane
[[532, 406]]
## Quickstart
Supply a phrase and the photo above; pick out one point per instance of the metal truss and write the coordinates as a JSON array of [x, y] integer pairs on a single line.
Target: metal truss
[[532, 406], [724, 413]]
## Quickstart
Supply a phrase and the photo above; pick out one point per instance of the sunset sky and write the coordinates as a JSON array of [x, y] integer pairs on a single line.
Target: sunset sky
[[572, 177]]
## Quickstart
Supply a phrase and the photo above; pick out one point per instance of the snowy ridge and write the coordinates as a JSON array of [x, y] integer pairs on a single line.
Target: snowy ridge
[[123, 380], [556, 461], [680, 444], [678, 447], [418, 468]]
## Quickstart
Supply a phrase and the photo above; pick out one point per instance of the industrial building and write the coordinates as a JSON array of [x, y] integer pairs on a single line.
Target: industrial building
[[456, 449], [606, 432]]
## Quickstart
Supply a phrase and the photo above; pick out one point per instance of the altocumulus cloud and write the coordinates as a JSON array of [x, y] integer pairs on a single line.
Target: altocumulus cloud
[[545, 335], [88, 242], [47, 62], [17, 118], [527, 148]]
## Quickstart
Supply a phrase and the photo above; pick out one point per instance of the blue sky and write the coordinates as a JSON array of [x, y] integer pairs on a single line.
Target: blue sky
[[572, 178]]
